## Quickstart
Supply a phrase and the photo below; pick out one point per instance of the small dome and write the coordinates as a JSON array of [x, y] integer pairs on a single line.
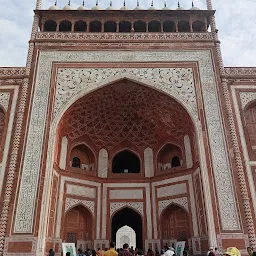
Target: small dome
[[68, 8], [54, 7], [180, 8], [124, 8], [165, 7], [138, 8], [194, 8], [82, 7], [96, 7], [152, 6], [110, 8]]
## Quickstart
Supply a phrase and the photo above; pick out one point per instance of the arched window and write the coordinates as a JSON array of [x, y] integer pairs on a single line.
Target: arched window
[[175, 161], [154, 26], [50, 25], [169, 157], [126, 162], [82, 157], [183, 26], [80, 26], [65, 26], [110, 26], [125, 27], [95, 26], [169, 26], [140, 26], [76, 162], [198, 26]]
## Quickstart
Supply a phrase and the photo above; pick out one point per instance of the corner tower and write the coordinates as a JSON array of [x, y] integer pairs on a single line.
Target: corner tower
[[125, 119]]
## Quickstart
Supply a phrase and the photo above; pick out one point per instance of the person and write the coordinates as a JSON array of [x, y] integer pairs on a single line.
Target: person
[[250, 251], [131, 250], [125, 251], [111, 251], [157, 253], [140, 252], [99, 252], [51, 252], [232, 251], [210, 252], [162, 252], [80, 252], [169, 252]]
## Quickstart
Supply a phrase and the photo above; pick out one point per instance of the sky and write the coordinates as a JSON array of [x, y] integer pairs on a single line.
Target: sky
[[236, 23]]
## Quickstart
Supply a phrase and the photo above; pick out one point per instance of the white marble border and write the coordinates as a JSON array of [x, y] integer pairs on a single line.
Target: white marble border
[[30, 173], [15, 89]]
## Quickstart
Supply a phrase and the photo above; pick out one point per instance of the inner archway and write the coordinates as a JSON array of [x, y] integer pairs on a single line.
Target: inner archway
[[175, 225], [130, 218]]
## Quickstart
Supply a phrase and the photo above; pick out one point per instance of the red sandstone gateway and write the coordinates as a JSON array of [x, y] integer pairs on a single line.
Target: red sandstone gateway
[[124, 126]]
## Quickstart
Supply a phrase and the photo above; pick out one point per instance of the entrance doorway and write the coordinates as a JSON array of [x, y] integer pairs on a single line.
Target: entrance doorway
[[126, 235], [130, 218]]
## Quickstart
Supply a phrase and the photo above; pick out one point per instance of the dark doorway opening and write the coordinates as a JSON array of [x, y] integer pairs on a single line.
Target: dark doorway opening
[[126, 162], [130, 218]]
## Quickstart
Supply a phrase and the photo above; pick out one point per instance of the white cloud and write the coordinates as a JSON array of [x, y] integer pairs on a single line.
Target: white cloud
[[235, 20]]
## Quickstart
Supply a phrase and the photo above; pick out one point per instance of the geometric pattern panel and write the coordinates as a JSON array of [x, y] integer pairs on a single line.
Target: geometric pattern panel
[[138, 206], [183, 201], [126, 111], [247, 97], [4, 100], [71, 202]]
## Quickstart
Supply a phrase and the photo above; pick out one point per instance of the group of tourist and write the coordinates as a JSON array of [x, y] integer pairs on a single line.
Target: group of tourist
[[168, 251]]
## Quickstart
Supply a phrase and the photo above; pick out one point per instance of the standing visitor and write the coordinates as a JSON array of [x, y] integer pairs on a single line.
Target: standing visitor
[[169, 252], [250, 251], [125, 251], [51, 252], [232, 251], [111, 251]]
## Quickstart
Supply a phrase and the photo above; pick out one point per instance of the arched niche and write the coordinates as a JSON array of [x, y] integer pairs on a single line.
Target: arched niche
[[126, 162], [183, 26], [50, 26], [125, 27], [110, 26], [80, 26], [250, 122], [170, 156], [95, 26], [82, 157], [198, 26], [65, 26], [154, 26], [140, 26], [130, 218], [169, 26], [78, 225], [175, 224]]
